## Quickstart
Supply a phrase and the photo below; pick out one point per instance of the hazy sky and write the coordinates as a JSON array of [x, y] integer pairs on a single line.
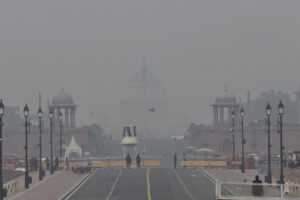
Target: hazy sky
[[92, 47]]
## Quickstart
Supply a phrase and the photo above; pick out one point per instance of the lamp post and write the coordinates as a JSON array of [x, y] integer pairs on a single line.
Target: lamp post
[[26, 114], [242, 113], [60, 134], [232, 130], [279, 127], [40, 115], [51, 141], [1, 181], [268, 123]]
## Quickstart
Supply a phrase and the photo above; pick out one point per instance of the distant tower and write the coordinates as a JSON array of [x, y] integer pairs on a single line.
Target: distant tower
[[249, 113], [40, 99], [298, 104]]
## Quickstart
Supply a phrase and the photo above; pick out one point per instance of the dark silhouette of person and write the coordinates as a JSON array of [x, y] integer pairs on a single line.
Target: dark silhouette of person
[[56, 161], [128, 160], [47, 164], [257, 190], [175, 160], [67, 164], [138, 161]]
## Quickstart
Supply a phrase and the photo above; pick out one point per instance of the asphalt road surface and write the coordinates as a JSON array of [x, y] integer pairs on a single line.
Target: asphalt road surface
[[146, 184]]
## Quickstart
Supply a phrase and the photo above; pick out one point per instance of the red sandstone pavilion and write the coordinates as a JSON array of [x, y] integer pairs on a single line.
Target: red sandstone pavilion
[[218, 135], [89, 138]]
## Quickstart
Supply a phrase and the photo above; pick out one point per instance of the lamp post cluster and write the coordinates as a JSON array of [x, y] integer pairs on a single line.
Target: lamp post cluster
[[268, 124], [28, 179]]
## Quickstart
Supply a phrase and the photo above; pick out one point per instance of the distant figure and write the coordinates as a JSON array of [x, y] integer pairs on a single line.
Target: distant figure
[[175, 160], [257, 190], [35, 164], [56, 161], [67, 164], [138, 161], [128, 161], [184, 159], [47, 163]]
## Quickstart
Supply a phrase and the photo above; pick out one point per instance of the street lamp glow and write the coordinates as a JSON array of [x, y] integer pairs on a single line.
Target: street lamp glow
[[242, 112], [232, 115], [60, 116], [51, 114], [26, 111], [1, 108], [268, 110], [280, 108], [40, 112]]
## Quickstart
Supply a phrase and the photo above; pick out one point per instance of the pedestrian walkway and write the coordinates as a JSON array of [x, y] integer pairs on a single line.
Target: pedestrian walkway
[[52, 187], [235, 175]]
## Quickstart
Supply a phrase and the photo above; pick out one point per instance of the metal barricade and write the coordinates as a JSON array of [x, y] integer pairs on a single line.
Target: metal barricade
[[199, 161]]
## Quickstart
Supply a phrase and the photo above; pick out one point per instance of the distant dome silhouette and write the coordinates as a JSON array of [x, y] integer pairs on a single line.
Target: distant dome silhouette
[[62, 98]]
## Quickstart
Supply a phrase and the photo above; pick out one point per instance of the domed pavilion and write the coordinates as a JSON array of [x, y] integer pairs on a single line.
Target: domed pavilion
[[62, 101], [225, 102]]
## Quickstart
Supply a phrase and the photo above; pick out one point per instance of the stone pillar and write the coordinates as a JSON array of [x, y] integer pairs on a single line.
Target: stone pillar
[[67, 123], [215, 110], [222, 116], [229, 114], [73, 114]]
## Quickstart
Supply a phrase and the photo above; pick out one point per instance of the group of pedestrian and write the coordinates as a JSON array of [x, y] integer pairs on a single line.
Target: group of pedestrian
[[33, 164], [138, 161]]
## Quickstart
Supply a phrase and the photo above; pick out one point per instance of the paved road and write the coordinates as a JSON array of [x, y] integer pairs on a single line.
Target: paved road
[[146, 184]]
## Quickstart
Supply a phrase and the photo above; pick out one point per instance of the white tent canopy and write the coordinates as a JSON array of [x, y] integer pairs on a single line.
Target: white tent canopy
[[73, 149]]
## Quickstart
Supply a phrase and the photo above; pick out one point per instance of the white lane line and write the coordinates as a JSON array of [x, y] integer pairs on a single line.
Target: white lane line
[[114, 185], [207, 175], [78, 186], [184, 186]]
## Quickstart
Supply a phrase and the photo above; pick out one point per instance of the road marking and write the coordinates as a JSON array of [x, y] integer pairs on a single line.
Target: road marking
[[114, 185], [78, 186], [184, 186], [148, 185]]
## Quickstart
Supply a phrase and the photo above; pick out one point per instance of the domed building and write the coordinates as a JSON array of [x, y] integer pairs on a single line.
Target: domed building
[[225, 102], [62, 101], [145, 105]]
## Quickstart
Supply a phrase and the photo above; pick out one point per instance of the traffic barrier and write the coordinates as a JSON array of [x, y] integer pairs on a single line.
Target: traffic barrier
[[292, 189], [203, 163], [11, 187]]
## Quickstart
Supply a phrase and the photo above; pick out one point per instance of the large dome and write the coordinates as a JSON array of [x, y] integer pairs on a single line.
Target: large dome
[[62, 98], [225, 97]]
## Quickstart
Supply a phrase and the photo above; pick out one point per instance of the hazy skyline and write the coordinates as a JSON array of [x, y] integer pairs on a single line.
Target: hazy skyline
[[91, 49]]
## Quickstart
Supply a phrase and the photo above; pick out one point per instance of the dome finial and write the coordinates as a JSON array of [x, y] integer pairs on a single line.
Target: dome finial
[[226, 88]]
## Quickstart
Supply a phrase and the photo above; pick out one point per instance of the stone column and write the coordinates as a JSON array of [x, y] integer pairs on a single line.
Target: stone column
[[229, 114], [73, 113], [67, 124], [215, 110], [222, 116]]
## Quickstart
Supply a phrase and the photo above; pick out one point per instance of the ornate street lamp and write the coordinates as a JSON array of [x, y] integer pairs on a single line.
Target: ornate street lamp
[[279, 129], [268, 123], [242, 114], [60, 134], [232, 130], [2, 193], [51, 141], [40, 115], [26, 114]]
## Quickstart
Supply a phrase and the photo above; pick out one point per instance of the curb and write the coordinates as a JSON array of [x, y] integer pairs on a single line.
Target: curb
[[76, 186]]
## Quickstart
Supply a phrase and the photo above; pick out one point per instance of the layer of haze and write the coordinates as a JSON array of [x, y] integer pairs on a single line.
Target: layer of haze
[[92, 47]]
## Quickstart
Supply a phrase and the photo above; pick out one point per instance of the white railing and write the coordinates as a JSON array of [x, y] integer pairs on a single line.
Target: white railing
[[235, 191]]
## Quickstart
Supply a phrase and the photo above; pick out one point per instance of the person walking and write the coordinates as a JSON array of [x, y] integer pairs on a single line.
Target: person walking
[[128, 161], [175, 160], [56, 161], [67, 164], [257, 188], [138, 161], [47, 164]]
